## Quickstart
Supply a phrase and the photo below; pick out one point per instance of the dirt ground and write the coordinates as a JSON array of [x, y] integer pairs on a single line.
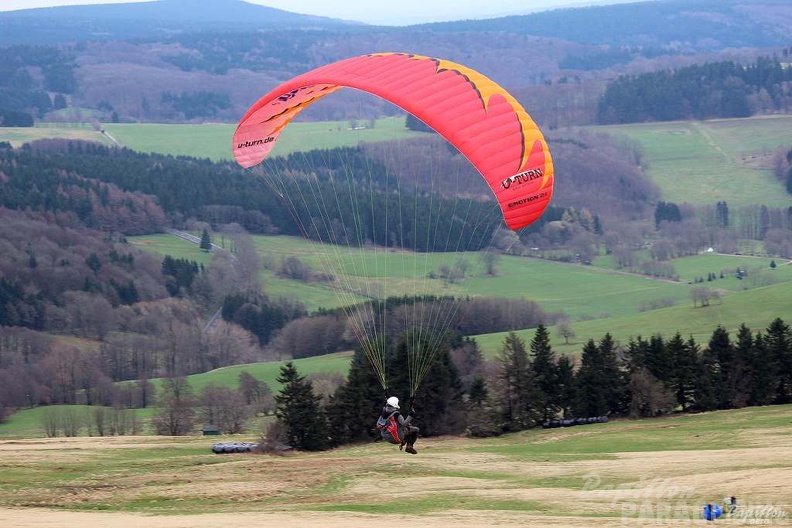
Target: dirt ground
[[657, 487], [462, 519]]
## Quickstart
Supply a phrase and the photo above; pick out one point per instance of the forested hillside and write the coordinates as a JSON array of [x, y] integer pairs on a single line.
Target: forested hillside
[[704, 91], [72, 196], [33, 81]]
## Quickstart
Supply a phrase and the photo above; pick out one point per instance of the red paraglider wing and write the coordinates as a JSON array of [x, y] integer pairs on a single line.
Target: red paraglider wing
[[481, 119]]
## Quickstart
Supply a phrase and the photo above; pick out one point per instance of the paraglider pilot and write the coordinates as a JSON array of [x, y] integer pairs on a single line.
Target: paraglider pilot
[[395, 428]]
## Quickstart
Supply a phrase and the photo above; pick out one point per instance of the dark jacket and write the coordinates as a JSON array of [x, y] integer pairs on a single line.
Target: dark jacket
[[392, 425]]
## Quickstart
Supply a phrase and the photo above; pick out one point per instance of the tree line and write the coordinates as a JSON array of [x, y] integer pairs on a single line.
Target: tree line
[[528, 384], [702, 91]]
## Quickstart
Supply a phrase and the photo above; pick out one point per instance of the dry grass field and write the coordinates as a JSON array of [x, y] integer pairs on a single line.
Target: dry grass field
[[637, 473]]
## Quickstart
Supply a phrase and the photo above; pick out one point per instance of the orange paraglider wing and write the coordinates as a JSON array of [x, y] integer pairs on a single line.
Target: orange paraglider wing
[[481, 119]]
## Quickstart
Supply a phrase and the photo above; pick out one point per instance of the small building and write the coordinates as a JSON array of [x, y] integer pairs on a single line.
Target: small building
[[211, 430]]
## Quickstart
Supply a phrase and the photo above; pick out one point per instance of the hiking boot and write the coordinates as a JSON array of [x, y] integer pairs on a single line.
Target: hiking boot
[[411, 450], [401, 446]]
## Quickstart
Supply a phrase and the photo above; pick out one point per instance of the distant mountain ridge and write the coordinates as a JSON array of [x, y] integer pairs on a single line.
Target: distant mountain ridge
[[148, 19], [179, 10], [700, 24], [688, 24]]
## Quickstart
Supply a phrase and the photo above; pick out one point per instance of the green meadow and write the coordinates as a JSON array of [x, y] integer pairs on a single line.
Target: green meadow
[[704, 162], [213, 140], [597, 300], [29, 423], [267, 372], [755, 308], [18, 136]]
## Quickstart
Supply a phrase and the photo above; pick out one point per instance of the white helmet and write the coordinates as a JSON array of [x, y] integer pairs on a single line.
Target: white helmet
[[393, 401]]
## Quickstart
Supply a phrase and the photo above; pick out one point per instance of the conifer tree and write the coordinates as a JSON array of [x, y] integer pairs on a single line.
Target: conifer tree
[[763, 373], [722, 353], [566, 385], [516, 384], [706, 375], [478, 392], [740, 376], [355, 406], [658, 359], [591, 399], [544, 373], [683, 374], [778, 340], [614, 379], [206, 241], [482, 420], [300, 411]]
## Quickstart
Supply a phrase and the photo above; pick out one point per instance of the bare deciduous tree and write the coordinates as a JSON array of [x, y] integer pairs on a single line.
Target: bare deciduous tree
[[176, 416], [490, 259], [224, 407], [230, 344], [564, 329]]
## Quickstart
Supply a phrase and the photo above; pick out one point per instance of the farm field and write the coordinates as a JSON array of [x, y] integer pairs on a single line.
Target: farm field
[[636, 473], [597, 299], [754, 308], [18, 136], [580, 291], [213, 141], [704, 162]]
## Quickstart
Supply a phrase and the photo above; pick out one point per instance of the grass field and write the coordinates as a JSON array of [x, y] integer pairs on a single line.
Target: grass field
[[229, 376], [704, 162], [582, 292], [642, 472], [213, 141], [19, 136], [755, 308], [598, 300]]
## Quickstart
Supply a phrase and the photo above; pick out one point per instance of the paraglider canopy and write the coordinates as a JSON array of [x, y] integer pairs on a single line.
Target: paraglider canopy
[[481, 119]]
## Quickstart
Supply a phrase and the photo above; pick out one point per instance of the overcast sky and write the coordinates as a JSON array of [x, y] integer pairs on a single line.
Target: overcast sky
[[386, 12]]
